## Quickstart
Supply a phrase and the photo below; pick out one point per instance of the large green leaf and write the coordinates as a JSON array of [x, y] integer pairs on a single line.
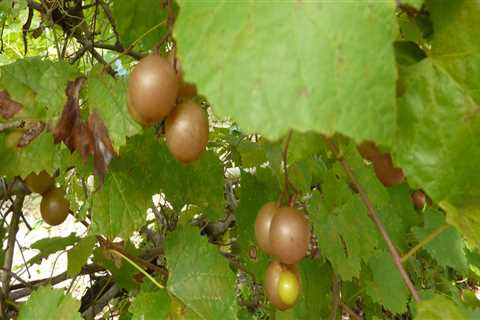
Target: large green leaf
[[345, 234], [292, 65], [109, 97], [150, 305], [49, 303], [39, 85], [140, 21], [199, 275], [40, 154], [448, 248], [438, 143]]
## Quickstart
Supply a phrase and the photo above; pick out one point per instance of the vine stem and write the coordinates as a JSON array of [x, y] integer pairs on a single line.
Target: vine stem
[[351, 313], [285, 162], [424, 242], [138, 268], [372, 213]]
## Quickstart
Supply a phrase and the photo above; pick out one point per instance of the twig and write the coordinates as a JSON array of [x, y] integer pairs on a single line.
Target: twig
[[17, 277], [109, 15], [350, 312], [372, 213], [102, 302], [425, 241], [336, 296]]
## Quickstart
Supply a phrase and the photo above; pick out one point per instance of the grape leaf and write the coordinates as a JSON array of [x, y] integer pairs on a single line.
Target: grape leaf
[[108, 96], [314, 301], [78, 255], [306, 73], [150, 305], [417, 4], [438, 126], [345, 234], [142, 21], [145, 167], [40, 154], [48, 246], [49, 303], [209, 287], [438, 308], [448, 248], [387, 287], [39, 85], [253, 195], [455, 45]]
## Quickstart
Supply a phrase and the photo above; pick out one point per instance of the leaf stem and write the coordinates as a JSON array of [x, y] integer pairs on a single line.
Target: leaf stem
[[285, 162], [372, 213], [138, 268], [425, 241]]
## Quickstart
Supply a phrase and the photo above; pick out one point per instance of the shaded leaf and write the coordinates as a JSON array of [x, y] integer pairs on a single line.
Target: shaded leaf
[[209, 288], [438, 308], [78, 255], [448, 248], [151, 305]]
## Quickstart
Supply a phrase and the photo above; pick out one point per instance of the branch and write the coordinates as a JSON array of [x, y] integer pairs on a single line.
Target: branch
[[12, 234], [285, 164], [21, 290], [350, 312], [119, 48], [101, 303], [425, 241], [372, 213]]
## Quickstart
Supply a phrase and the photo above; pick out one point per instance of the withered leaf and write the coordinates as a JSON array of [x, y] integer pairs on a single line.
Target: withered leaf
[[87, 138], [33, 130], [8, 107], [103, 149]]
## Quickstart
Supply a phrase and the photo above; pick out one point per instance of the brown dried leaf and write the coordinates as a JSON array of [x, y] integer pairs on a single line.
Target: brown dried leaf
[[103, 151], [8, 107], [33, 130]]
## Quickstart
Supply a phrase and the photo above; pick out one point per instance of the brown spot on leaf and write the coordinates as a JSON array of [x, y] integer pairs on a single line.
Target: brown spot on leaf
[[8, 107], [102, 149]]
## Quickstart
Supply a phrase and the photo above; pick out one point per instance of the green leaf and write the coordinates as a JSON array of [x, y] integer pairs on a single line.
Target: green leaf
[[455, 46], [48, 246], [145, 167], [140, 18], [387, 287], [78, 255], [315, 298], [254, 193], [150, 305], [438, 308], [438, 127], [308, 72], [49, 303], [448, 248], [39, 85], [417, 4], [40, 154], [345, 234], [199, 275], [108, 96]]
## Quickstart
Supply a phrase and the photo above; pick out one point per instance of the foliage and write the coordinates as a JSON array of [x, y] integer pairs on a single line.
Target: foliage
[[291, 90]]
